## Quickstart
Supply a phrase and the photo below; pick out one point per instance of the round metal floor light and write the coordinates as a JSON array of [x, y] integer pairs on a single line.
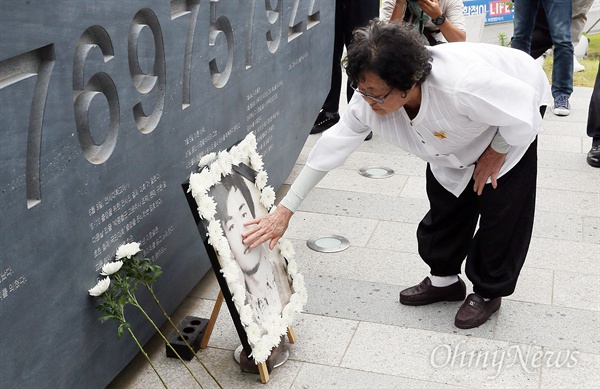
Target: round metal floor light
[[376, 172], [328, 244]]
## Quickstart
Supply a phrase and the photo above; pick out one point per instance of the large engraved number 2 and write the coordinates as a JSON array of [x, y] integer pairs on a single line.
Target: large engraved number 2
[[36, 62], [274, 16], [220, 26]]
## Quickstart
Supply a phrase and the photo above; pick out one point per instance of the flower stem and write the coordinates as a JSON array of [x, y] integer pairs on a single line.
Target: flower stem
[[137, 305], [149, 287], [147, 357]]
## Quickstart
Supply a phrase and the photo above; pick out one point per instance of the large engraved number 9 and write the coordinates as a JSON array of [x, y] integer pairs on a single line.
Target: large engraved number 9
[[99, 83], [143, 82], [217, 27]]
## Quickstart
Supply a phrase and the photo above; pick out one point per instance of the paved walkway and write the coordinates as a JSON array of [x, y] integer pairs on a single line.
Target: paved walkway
[[355, 334]]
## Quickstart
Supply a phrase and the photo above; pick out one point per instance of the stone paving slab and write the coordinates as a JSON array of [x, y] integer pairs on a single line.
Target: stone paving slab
[[429, 355], [362, 205], [549, 326], [319, 376]]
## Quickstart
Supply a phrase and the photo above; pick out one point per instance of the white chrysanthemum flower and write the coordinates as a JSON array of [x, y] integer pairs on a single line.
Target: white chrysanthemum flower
[[256, 161], [128, 250], [273, 338], [239, 299], [296, 302], [288, 314], [254, 333], [292, 267], [237, 155], [246, 315], [215, 231], [111, 268], [207, 178], [207, 208], [250, 140], [230, 272], [267, 197], [200, 183], [101, 287], [261, 179], [225, 162], [303, 296], [299, 282], [207, 159], [261, 351], [286, 248], [223, 249], [246, 149], [280, 327], [216, 172]]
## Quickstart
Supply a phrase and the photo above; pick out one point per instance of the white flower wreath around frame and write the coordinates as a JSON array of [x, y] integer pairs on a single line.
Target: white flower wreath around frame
[[213, 167]]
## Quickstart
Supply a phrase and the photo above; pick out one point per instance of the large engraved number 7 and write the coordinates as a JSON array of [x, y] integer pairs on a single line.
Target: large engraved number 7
[[178, 9], [36, 62]]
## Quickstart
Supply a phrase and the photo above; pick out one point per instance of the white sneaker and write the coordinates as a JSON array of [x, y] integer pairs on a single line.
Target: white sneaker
[[577, 67], [561, 105]]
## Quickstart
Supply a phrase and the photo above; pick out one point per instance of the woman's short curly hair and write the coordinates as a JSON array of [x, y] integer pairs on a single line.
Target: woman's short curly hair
[[394, 51]]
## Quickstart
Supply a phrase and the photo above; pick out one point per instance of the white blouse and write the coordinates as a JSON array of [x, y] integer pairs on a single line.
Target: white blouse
[[473, 90]]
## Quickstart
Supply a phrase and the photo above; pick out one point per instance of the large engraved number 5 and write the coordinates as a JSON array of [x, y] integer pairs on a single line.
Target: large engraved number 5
[[144, 83], [217, 27], [36, 62], [99, 83]]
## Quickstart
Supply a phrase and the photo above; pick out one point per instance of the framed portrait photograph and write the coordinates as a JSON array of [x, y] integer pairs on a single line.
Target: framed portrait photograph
[[264, 286]]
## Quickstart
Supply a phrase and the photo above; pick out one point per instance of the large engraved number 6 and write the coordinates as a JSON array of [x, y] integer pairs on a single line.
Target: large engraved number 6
[[274, 16], [217, 27], [36, 62], [143, 82], [99, 83]]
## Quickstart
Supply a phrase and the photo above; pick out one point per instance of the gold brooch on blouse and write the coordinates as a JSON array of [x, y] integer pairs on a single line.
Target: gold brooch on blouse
[[440, 135]]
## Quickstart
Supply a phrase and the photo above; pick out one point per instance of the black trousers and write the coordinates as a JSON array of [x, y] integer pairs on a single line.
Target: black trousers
[[541, 40], [349, 14], [496, 252], [593, 122]]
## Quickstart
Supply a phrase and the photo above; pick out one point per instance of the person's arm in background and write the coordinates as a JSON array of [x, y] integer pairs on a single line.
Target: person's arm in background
[[386, 10], [453, 27], [399, 10]]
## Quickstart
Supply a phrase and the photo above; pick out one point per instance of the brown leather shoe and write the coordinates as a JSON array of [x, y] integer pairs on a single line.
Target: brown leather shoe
[[475, 311], [425, 293]]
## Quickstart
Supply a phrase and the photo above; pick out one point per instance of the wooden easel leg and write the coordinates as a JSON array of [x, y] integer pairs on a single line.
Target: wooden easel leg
[[291, 335], [264, 372], [212, 321]]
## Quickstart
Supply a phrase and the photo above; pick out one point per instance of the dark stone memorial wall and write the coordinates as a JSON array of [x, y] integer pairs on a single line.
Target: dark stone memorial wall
[[106, 107]]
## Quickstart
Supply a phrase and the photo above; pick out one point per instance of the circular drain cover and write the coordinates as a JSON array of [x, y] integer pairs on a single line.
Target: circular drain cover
[[376, 172], [328, 244]]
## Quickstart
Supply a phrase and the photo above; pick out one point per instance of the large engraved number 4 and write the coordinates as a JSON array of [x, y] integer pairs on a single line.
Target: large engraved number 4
[[36, 62]]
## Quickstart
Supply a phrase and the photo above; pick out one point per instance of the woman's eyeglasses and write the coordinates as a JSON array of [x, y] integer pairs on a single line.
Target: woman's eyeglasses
[[379, 100]]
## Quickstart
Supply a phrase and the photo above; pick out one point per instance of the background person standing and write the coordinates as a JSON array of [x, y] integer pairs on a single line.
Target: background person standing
[[558, 14], [349, 14]]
